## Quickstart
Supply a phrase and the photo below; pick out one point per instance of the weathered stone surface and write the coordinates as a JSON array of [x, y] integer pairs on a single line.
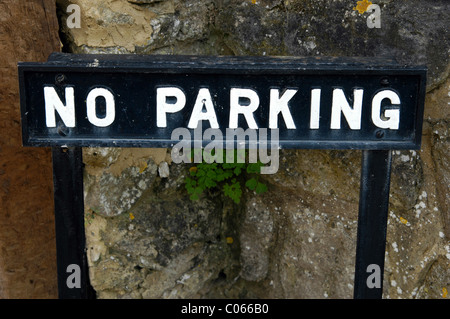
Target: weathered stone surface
[[256, 240], [163, 169], [414, 32], [303, 247], [306, 240], [298, 239], [415, 226], [441, 157], [164, 246], [113, 189], [106, 25], [436, 281], [142, 27]]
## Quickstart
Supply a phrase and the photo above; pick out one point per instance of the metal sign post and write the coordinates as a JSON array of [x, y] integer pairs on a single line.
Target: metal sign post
[[69, 223], [372, 222], [74, 101]]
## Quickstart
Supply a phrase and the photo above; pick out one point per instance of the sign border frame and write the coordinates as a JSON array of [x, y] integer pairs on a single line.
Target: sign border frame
[[129, 63]]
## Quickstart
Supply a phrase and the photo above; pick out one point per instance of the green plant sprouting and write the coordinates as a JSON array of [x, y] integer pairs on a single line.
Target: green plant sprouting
[[225, 176]]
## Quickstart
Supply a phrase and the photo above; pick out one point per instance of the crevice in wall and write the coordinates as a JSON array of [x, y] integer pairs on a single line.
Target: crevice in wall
[[65, 37]]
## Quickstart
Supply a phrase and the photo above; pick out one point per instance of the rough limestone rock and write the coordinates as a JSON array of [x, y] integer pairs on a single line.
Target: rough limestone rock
[[413, 32], [164, 246], [298, 239]]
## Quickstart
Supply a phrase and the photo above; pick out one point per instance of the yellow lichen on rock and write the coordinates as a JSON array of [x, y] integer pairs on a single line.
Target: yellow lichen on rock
[[362, 6]]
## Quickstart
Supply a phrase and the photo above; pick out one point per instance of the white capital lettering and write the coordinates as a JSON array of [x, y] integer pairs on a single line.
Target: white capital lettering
[[280, 104], [163, 105], [203, 100], [392, 115], [237, 108], [53, 103], [91, 107], [341, 105], [315, 109]]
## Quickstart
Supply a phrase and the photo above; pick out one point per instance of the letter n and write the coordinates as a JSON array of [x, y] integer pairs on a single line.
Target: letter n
[[53, 103], [341, 105]]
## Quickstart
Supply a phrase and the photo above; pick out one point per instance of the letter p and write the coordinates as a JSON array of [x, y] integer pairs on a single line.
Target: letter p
[[168, 100]]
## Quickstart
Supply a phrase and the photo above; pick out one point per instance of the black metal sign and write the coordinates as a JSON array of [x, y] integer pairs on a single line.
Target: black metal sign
[[73, 101], [138, 101]]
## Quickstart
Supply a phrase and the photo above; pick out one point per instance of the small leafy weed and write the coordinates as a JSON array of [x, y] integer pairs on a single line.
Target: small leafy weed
[[227, 177]]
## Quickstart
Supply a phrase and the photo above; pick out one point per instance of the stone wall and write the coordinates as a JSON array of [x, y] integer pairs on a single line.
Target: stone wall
[[147, 239]]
